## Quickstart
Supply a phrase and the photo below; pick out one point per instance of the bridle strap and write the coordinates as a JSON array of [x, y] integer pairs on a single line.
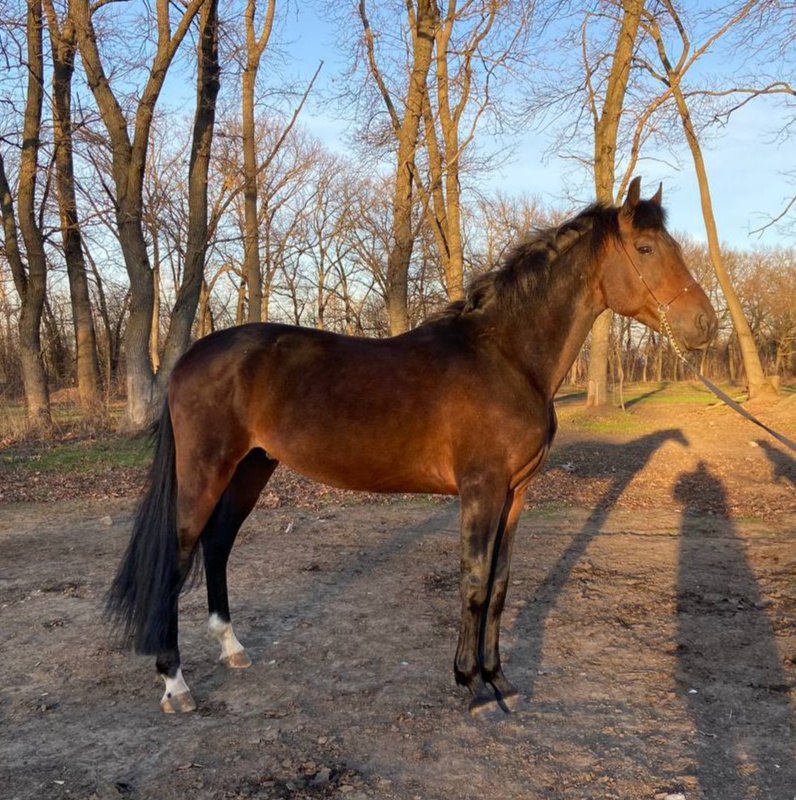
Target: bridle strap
[[662, 307], [666, 329]]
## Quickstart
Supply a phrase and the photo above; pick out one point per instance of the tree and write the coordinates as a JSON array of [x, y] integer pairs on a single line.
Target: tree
[[256, 43], [63, 46], [672, 76], [128, 165], [207, 86], [606, 114], [423, 20], [31, 280], [474, 42]]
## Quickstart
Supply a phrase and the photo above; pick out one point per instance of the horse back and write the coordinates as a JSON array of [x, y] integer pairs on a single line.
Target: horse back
[[406, 414]]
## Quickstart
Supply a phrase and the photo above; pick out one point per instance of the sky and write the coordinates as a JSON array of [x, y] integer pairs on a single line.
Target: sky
[[747, 169]]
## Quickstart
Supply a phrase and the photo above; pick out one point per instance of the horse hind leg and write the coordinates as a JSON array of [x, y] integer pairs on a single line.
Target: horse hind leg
[[200, 490], [218, 537]]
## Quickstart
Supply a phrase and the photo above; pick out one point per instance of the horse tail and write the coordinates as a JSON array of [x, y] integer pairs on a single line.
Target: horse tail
[[141, 602]]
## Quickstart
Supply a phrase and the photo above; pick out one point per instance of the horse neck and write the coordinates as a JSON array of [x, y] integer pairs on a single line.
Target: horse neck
[[545, 332]]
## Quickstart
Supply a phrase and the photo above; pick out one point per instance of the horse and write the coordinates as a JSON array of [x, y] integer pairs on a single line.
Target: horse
[[461, 405]]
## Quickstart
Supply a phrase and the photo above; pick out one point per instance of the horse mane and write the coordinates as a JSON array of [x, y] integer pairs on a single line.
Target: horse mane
[[529, 266]]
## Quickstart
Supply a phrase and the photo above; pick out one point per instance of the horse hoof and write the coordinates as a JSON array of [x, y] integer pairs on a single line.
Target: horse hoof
[[239, 660], [174, 703]]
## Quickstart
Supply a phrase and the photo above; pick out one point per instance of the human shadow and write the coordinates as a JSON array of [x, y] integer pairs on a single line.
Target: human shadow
[[784, 466], [728, 666], [534, 613]]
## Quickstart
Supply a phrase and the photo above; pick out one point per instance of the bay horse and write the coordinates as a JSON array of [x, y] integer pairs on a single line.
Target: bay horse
[[460, 405]]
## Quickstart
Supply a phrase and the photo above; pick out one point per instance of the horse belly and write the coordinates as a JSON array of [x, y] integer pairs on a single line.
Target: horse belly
[[386, 459]]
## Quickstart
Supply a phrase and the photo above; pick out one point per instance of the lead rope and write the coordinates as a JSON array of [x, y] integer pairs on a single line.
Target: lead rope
[[666, 328]]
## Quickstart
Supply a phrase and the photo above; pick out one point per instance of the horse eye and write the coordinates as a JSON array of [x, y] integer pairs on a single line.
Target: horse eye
[[644, 249]]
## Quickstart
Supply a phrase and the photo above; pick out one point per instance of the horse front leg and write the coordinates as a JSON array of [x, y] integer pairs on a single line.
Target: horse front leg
[[492, 671], [484, 512]]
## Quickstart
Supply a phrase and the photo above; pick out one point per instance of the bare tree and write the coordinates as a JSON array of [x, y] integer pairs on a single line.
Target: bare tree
[[673, 74], [30, 281], [129, 160], [63, 47], [256, 42], [605, 108], [474, 41], [207, 86], [423, 19]]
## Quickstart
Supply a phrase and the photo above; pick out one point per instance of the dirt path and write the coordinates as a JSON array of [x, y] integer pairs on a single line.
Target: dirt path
[[651, 626]]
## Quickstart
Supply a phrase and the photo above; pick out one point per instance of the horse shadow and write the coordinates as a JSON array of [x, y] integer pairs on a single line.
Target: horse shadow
[[533, 615], [728, 664], [646, 395], [291, 616], [784, 467]]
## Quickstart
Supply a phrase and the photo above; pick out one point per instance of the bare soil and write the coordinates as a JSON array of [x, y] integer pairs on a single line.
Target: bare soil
[[650, 625]]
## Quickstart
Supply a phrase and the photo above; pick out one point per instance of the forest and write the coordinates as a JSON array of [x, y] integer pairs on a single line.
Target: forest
[[168, 169]]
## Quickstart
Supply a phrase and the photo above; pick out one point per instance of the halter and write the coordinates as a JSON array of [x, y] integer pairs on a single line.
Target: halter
[[666, 328], [662, 307]]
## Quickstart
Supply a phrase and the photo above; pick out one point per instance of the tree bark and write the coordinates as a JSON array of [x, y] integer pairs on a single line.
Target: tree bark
[[255, 45], [424, 22], [755, 377], [63, 45], [31, 284], [207, 87], [128, 164], [606, 128]]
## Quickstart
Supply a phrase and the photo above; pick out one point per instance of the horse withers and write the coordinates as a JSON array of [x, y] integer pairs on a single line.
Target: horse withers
[[460, 405]]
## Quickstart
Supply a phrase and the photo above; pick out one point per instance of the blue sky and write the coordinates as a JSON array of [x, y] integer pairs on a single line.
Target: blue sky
[[747, 168]]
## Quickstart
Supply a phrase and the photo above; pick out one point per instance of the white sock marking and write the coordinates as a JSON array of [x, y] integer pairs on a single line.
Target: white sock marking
[[222, 631], [175, 685]]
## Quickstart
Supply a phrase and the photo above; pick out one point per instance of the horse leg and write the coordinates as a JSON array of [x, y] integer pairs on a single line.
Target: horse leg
[[201, 484], [218, 537], [491, 669], [484, 508]]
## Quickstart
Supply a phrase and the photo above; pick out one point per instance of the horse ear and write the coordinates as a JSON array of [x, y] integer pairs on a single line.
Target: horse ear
[[633, 196], [658, 196]]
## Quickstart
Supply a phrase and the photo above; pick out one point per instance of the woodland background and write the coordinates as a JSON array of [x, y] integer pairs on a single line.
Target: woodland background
[[131, 226]]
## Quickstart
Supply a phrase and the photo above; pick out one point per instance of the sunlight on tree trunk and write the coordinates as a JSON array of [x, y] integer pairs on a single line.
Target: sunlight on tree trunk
[[606, 126], [129, 165], [63, 47], [423, 22], [255, 45], [673, 74]]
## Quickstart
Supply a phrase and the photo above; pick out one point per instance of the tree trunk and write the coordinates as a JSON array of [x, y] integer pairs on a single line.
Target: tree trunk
[[674, 73], [31, 284], [606, 127], [424, 20], [255, 45], [87, 365], [129, 162], [755, 377], [207, 86]]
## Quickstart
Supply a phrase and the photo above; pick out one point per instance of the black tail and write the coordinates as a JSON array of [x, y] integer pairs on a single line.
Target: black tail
[[141, 601]]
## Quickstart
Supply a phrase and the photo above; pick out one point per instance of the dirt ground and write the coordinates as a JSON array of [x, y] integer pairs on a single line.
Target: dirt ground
[[650, 626]]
